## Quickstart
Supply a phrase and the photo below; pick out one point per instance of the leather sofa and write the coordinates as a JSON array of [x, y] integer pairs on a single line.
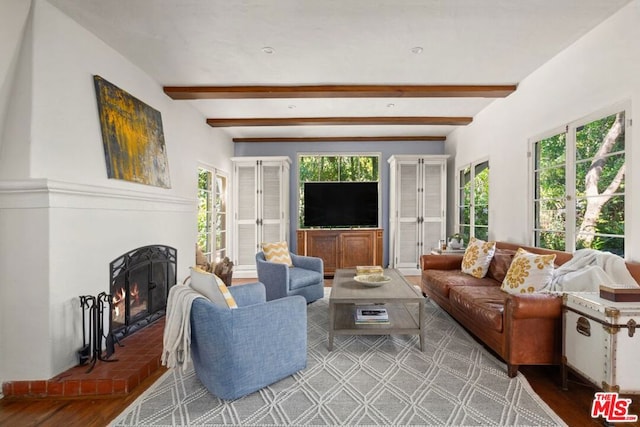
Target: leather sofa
[[523, 329]]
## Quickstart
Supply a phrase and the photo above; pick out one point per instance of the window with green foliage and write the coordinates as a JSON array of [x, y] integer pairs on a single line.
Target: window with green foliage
[[212, 214], [579, 186], [335, 167], [473, 201]]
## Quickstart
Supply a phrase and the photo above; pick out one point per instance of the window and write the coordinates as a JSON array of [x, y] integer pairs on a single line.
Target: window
[[473, 201], [212, 214], [335, 168], [579, 185]]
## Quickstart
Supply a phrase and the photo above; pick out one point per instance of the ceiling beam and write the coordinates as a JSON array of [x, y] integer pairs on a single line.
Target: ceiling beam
[[340, 91], [334, 121], [342, 138]]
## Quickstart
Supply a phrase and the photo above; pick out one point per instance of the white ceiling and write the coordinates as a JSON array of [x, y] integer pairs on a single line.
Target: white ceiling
[[221, 42]]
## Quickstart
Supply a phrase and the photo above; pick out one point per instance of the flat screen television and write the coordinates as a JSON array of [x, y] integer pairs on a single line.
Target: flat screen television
[[340, 204]]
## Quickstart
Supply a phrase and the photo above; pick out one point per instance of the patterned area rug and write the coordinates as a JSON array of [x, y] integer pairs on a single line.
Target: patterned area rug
[[365, 380]]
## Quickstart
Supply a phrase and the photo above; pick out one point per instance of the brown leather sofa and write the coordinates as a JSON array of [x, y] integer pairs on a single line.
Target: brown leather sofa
[[522, 329]]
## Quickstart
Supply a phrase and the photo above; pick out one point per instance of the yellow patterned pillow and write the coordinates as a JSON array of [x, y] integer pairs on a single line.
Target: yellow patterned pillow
[[528, 273], [277, 252], [477, 257]]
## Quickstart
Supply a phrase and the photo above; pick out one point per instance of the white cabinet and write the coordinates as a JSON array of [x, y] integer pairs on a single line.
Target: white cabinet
[[261, 208], [417, 208]]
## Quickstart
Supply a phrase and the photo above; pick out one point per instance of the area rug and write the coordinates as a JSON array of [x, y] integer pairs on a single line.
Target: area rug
[[365, 380]]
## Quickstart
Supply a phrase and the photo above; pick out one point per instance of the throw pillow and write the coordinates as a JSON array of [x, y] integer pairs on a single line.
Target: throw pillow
[[500, 264], [212, 287], [277, 252], [528, 273], [477, 257]]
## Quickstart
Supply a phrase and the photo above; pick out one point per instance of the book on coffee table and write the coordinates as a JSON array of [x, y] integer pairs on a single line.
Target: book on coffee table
[[372, 315], [368, 269]]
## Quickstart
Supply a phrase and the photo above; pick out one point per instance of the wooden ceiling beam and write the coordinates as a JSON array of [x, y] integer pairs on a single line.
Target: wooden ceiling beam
[[336, 121], [343, 139], [340, 91]]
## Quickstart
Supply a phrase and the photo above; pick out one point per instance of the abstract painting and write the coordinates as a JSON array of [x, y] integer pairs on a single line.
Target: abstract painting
[[132, 136]]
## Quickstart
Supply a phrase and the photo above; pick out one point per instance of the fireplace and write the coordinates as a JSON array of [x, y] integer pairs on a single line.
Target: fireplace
[[139, 285]]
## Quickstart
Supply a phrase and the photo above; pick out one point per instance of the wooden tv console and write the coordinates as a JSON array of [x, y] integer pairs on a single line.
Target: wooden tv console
[[341, 248]]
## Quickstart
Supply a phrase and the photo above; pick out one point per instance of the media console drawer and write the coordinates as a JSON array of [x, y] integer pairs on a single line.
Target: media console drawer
[[601, 342]]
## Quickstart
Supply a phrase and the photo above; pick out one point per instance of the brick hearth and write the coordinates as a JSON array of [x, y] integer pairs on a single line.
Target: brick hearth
[[136, 360]]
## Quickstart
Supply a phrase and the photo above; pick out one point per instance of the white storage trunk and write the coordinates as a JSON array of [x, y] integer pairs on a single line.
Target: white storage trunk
[[600, 341]]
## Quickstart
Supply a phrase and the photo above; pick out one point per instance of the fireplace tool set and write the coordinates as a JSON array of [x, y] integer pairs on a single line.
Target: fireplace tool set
[[98, 342]]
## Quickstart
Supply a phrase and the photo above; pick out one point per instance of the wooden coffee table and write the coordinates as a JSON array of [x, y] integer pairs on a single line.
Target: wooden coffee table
[[403, 302]]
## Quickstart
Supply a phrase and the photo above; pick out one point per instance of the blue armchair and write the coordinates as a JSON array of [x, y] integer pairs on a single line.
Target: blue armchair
[[238, 351], [305, 278]]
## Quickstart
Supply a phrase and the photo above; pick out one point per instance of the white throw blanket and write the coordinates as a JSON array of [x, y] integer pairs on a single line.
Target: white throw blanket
[[176, 340], [588, 269]]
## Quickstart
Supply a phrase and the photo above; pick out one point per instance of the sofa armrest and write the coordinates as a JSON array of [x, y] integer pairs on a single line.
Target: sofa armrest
[[530, 306], [441, 262]]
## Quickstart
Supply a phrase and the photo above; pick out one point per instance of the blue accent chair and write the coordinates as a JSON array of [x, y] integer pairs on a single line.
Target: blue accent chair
[[305, 278], [238, 351]]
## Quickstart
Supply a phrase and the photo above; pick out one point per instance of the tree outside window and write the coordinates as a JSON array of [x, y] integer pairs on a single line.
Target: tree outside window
[[579, 186]]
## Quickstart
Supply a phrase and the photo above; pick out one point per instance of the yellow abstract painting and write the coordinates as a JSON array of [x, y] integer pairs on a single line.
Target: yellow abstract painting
[[132, 136]]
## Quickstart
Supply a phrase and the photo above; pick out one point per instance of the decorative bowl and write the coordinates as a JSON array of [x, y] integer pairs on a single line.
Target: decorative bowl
[[372, 280]]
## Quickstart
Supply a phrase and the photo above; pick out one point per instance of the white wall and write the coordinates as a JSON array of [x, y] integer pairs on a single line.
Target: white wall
[[599, 70], [13, 19], [61, 220]]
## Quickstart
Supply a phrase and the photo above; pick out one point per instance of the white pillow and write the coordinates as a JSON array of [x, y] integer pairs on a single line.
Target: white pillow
[[528, 273], [477, 257], [212, 287]]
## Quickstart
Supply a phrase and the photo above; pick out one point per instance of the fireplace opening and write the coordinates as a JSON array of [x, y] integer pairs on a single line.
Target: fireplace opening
[[139, 285]]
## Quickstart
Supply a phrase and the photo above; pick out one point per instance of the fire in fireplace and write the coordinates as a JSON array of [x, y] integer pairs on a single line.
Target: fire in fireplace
[[140, 282]]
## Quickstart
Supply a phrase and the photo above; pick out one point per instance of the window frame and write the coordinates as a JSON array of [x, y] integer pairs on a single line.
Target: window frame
[[216, 252], [571, 185], [472, 205]]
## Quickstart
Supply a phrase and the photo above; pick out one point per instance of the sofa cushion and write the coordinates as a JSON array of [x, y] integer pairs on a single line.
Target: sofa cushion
[[528, 272], [441, 281], [301, 278], [484, 304], [500, 264], [477, 257]]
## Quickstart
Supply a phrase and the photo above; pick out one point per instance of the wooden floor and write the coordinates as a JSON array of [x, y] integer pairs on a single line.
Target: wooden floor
[[573, 406]]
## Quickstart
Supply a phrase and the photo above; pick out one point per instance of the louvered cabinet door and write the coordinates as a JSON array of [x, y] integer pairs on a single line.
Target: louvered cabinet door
[[417, 208], [407, 243], [433, 200], [271, 203], [246, 217], [261, 206]]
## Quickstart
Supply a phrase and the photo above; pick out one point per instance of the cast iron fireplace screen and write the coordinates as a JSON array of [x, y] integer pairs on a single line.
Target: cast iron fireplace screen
[[140, 282]]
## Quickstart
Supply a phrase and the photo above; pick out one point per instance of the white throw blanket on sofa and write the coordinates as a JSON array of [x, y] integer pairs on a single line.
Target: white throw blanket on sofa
[[176, 340], [588, 269]]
